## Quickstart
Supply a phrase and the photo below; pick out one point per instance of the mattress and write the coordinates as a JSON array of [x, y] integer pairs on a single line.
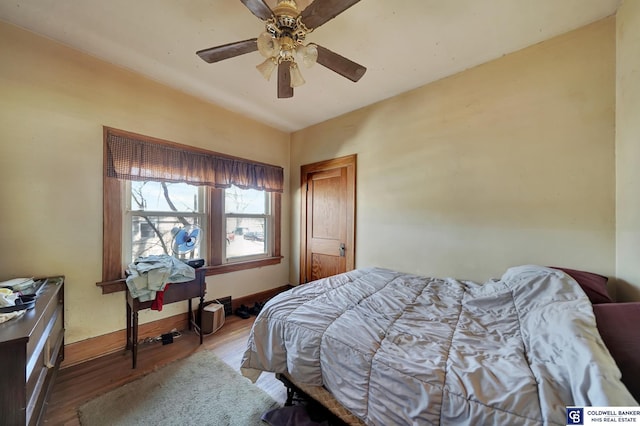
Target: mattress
[[397, 348]]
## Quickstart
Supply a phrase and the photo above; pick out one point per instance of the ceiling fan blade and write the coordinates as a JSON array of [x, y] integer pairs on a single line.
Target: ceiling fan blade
[[226, 51], [321, 11], [258, 8], [340, 64], [284, 80]]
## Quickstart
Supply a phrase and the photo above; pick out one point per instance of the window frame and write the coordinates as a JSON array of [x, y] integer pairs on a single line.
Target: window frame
[[268, 239], [130, 213], [114, 205]]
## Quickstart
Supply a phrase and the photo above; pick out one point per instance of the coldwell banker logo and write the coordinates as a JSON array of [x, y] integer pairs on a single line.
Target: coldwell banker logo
[[574, 416]]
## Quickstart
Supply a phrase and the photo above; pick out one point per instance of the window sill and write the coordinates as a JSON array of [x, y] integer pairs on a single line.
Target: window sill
[[240, 266], [120, 285]]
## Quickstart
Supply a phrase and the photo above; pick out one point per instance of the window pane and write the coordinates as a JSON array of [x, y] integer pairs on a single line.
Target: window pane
[[150, 196], [152, 235], [244, 201], [245, 236]]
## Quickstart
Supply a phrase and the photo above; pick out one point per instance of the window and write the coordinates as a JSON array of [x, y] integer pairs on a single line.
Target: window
[[154, 213], [152, 187], [248, 223]]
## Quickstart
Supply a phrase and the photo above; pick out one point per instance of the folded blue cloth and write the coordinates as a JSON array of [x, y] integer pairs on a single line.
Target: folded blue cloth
[[147, 275]]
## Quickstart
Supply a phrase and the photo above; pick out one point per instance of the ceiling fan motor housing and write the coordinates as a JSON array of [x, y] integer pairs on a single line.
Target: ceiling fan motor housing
[[286, 25]]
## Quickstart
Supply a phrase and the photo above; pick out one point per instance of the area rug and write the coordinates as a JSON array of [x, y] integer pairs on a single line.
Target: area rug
[[198, 390]]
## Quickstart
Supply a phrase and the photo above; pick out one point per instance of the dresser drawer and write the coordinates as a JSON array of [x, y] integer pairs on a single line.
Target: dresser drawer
[[44, 327], [44, 360]]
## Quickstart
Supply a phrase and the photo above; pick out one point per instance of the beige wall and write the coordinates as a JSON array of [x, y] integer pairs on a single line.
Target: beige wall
[[508, 163], [53, 105], [628, 151]]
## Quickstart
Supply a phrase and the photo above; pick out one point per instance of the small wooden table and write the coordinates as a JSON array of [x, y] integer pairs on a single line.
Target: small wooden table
[[175, 292]]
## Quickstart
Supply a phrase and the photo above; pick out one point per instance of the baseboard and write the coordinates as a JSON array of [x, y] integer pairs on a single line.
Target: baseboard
[[95, 347]]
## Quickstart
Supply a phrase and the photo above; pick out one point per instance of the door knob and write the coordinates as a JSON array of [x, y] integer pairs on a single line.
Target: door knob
[[342, 247]]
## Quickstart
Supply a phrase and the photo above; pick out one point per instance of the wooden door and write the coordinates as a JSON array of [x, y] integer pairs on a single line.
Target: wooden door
[[328, 218]]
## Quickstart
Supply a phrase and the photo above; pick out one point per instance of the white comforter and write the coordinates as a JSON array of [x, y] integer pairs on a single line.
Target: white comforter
[[399, 349]]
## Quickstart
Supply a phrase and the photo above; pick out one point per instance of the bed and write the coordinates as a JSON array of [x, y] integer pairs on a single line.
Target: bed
[[396, 348]]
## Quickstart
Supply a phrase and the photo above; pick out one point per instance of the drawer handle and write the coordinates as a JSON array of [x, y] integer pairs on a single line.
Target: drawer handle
[[47, 355]]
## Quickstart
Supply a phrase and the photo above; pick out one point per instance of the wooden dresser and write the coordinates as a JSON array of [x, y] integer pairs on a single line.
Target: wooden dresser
[[31, 349]]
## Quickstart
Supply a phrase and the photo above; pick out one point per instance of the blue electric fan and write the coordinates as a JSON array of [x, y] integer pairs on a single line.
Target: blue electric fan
[[185, 241]]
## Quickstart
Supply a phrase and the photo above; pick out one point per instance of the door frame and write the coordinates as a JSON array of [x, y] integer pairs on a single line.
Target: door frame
[[349, 162]]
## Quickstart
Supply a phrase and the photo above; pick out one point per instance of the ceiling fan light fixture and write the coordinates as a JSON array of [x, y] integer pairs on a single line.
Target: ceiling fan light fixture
[[268, 46], [266, 68], [296, 75], [308, 55], [287, 48]]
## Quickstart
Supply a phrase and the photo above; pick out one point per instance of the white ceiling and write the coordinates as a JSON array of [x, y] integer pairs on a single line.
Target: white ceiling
[[403, 43]]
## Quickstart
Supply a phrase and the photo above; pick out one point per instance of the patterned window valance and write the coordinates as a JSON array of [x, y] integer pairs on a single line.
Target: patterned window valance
[[134, 157]]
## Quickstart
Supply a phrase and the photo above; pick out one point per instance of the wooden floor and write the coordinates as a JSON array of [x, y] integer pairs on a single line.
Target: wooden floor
[[78, 384]]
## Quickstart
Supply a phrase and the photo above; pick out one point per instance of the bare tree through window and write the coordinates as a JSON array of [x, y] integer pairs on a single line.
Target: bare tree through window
[[158, 210]]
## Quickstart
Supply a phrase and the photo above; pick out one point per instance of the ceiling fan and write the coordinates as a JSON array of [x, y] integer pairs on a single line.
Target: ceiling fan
[[282, 42]]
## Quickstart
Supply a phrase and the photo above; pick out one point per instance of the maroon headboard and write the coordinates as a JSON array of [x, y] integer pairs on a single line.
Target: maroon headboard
[[594, 285], [619, 326]]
